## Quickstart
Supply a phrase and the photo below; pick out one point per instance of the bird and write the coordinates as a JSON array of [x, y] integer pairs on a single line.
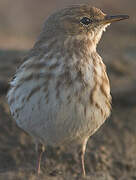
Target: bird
[[60, 94]]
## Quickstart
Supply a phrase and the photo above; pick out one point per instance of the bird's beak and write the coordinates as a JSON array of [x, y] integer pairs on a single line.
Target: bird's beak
[[110, 19]]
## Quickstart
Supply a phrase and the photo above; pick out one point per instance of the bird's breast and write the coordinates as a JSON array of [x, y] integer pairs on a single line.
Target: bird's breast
[[61, 102]]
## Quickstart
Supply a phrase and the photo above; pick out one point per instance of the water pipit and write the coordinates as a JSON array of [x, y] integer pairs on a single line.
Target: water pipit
[[61, 93]]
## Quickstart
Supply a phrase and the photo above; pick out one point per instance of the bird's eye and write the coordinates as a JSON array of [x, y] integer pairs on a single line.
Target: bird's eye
[[85, 21]]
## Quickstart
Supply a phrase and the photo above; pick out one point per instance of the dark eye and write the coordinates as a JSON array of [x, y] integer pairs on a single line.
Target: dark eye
[[85, 20]]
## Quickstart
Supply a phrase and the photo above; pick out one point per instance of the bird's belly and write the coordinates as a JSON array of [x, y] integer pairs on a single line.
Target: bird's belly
[[55, 121], [57, 111]]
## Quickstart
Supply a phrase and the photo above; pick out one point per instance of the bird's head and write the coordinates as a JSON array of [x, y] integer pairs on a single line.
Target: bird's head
[[80, 22]]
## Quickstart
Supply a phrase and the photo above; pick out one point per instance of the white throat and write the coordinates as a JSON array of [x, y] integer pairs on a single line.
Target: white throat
[[96, 35]]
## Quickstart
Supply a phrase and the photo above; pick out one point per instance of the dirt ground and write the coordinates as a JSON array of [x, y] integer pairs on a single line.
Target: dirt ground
[[111, 152]]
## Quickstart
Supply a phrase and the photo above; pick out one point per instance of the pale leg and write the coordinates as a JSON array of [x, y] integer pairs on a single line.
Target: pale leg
[[83, 155], [39, 149]]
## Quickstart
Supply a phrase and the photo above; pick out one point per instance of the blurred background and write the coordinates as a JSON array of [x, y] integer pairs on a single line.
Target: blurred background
[[111, 152], [21, 21]]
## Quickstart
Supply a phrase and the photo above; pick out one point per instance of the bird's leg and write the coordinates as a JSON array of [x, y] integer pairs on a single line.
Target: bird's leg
[[83, 163], [83, 155], [39, 149]]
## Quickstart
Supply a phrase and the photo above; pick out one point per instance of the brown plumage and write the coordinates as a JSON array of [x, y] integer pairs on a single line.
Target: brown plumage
[[61, 94]]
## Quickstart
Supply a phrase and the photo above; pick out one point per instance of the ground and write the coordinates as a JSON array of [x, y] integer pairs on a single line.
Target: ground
[[111, 151]]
